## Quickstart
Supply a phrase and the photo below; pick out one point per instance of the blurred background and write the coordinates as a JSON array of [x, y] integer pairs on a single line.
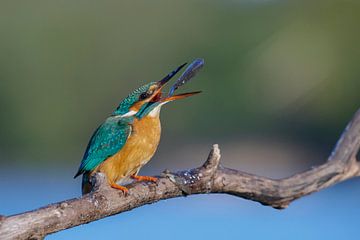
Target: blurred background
[[280, 83]]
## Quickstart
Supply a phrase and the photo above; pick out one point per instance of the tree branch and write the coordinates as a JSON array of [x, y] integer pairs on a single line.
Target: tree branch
[[211, 177]]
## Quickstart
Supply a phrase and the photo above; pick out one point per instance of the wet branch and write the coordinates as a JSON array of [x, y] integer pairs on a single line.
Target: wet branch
[[212, 177]]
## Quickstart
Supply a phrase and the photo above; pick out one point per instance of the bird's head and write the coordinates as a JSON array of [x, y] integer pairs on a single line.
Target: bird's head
[[148, 99]]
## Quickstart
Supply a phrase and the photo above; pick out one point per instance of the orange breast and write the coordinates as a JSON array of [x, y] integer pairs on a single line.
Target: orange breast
[[137, 151]]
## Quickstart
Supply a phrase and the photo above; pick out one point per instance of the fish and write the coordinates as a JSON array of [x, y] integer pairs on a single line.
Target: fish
[[188, 74]]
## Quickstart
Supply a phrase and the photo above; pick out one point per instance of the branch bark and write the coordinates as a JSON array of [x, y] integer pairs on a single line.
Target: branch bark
[[211, 177]]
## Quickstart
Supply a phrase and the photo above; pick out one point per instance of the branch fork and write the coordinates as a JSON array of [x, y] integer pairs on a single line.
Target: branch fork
[[197, 180]]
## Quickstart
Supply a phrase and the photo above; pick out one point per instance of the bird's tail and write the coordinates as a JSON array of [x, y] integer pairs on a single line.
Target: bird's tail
[[86, 185]]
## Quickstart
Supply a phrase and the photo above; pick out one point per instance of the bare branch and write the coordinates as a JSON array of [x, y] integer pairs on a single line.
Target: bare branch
[[209, 178]]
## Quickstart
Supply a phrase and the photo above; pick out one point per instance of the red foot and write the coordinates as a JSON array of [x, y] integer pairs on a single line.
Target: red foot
[[123, 189], [144, 178]]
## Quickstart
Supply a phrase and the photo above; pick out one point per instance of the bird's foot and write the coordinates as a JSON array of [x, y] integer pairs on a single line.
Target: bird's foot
[[123, 189], [144, 178]]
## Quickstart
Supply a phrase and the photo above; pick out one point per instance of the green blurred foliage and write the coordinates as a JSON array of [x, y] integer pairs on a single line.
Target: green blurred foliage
[[272, 67]]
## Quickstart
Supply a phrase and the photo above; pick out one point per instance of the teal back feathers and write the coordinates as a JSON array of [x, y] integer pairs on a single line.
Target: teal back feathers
[[107, 140]]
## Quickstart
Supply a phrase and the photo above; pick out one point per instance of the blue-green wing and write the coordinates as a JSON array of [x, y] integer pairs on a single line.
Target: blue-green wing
[[107, 140]]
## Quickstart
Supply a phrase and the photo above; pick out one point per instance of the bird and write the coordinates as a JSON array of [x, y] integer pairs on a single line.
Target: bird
[[128, 138]]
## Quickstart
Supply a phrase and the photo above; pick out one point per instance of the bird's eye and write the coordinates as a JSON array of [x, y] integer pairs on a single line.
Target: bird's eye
[[143, 96]]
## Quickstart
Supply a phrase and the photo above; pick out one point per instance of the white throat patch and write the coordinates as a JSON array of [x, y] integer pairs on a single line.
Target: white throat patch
[[156, 111]]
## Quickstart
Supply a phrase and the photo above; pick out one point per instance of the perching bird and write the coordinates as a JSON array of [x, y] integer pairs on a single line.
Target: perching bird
[[127, 139]]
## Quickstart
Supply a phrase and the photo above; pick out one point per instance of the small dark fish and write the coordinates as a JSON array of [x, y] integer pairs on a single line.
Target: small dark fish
[[189, 73]]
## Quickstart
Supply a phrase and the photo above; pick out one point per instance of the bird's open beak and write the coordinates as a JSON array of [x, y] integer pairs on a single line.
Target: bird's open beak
[[157, 96], [178, 96]]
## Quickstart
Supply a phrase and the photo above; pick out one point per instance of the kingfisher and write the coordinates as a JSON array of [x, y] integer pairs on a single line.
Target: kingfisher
[[129, 137]]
